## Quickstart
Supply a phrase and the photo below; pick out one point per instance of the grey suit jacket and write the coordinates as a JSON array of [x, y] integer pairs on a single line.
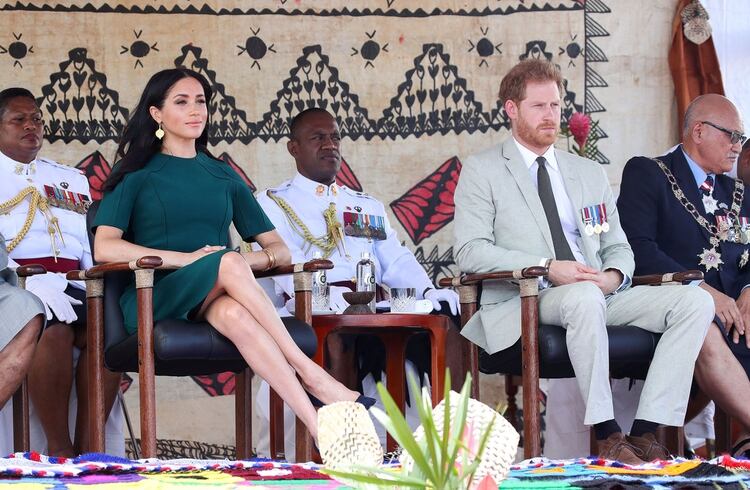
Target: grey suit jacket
[[6, 274], [500, 225]]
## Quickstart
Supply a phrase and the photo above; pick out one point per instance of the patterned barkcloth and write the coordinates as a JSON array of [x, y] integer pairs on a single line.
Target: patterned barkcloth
[[32, 470]]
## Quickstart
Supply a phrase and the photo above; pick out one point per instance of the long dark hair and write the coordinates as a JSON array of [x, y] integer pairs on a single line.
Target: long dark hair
[[138, 142]]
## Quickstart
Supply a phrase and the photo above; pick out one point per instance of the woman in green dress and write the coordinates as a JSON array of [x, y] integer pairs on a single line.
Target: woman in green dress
[[168, 197]]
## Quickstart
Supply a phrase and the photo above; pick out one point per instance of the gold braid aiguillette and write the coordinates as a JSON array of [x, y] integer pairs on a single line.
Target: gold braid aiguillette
[[36, 201], [334, 236]]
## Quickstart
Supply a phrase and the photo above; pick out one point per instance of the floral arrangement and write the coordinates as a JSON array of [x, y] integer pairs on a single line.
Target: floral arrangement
[[441, 455], [583, 130]]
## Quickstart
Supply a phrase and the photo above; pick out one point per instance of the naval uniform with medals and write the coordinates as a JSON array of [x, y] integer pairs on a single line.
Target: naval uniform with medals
[[340, 224], [56, 236], [43, 208], [678, 217]]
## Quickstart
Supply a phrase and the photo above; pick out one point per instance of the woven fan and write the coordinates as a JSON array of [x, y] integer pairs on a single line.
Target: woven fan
[[500, 450], [347, 437]]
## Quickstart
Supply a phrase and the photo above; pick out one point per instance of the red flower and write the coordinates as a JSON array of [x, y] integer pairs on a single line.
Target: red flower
[[580, 127]]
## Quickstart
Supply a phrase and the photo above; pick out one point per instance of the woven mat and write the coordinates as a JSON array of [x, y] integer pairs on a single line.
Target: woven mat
[[32, 470], [723, 472]]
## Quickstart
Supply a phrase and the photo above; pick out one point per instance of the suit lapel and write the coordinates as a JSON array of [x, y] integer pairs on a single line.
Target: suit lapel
[[684, 177], [571, 179], [520, 173], [574, 187]]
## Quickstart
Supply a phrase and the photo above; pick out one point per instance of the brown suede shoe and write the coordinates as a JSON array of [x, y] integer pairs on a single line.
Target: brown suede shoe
[[617, 448], [649, 447]]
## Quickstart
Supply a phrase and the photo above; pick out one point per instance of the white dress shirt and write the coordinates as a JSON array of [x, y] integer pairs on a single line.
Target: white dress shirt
[[562, 200]]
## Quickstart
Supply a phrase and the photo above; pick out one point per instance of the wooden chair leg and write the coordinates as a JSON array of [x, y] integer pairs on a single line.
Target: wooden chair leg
[[532, 445], [395, 349], [438, 344], [511, 390], [95, 365], [673, 438], [303, 448], [468, 298], [723, 430], [243, 412], [276, 430], [146, 372], [21, 419]]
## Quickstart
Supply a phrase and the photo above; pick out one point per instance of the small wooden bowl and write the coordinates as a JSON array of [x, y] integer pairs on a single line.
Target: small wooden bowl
[[358, 301]]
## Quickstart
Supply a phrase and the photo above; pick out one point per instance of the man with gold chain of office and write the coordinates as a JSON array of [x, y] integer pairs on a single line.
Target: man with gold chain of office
[[43, 208]]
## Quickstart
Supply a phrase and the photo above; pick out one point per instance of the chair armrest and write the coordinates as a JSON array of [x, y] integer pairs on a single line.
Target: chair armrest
[[30, 270], [98, 271], [668, 278], [473, 279], [314, 265]]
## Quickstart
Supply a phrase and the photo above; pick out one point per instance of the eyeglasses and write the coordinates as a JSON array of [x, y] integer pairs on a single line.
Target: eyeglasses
[[734, 136]]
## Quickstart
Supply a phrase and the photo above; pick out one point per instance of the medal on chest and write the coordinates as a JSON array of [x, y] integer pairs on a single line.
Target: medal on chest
[[710, 204], [727, 227], [595, 219], [368, 226], [64, 199], [711, 257], [744, 259]]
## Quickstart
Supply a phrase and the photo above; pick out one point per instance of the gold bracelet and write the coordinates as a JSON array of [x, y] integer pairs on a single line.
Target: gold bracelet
[[271, 258]]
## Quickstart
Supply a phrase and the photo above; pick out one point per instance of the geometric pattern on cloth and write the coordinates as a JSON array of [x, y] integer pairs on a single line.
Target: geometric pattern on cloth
[[60, 473], [719, 472]]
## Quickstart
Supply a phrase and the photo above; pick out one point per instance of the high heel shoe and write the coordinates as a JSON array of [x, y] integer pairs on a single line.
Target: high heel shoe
[[315, 402], [363, 400]]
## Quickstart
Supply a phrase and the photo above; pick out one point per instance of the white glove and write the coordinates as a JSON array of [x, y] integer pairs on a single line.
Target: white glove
[[448, 295], [336, 300], [50, 288]]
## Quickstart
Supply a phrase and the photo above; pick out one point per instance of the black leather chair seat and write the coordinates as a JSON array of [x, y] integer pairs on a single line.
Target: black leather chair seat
[[196, 349], [185, 348], [630, 352]]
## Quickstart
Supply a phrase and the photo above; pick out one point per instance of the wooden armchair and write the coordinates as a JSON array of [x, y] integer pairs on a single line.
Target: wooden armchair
[[21, 438], [179, 348], [542, 351]]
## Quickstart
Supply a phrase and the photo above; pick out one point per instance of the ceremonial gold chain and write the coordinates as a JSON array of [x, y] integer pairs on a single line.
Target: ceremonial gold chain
[[326, 243], [36, 201], [737, 196]]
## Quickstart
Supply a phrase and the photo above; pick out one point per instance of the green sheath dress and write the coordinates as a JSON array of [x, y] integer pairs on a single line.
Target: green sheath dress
[[181, 204]]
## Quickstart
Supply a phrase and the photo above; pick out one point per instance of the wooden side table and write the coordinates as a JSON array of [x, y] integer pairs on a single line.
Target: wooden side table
[[394, 330]]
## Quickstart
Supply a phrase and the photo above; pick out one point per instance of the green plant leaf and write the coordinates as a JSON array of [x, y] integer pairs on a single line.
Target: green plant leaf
[[397, 427], [432, 439], [376, 476], [459, 421]]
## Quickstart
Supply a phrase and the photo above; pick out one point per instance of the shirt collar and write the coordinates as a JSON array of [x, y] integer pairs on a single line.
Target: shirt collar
[[529, 157], [10, 164], [698, 173], [315, 188]]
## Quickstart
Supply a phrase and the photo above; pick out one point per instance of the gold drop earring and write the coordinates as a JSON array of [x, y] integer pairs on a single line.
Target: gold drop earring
[[159, 132]]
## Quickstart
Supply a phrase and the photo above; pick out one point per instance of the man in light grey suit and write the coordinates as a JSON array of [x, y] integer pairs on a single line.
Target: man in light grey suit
[[525, 203], [22, 320]]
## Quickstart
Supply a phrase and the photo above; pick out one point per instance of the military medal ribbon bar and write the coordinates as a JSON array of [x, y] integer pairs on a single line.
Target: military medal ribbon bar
[[595, 219]]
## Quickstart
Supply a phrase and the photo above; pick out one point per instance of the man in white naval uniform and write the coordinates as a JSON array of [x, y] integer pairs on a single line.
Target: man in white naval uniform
[[43, 205], [314, 214]]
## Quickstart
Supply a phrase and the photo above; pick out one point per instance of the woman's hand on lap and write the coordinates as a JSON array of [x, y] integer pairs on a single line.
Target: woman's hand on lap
[[200, 253]]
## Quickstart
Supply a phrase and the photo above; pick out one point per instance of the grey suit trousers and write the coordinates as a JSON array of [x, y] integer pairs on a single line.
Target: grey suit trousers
[[681, 313], [17, 308]]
